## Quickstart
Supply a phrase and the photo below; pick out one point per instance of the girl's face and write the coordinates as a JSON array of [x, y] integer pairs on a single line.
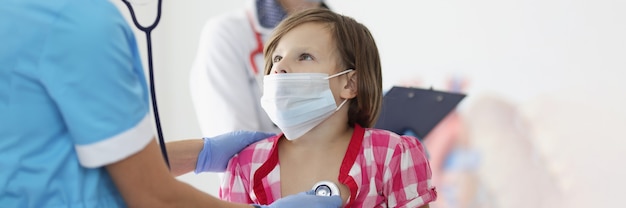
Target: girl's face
[[307, 48]]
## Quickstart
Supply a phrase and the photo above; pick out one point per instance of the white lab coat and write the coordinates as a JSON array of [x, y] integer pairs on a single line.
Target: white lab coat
[[224, 88]]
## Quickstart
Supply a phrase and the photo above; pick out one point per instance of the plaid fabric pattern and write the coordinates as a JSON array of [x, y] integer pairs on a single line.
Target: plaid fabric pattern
[[381, 169]]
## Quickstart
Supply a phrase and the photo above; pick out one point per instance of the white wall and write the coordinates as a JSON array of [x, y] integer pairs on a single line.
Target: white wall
[[520, 49], [515, 47]]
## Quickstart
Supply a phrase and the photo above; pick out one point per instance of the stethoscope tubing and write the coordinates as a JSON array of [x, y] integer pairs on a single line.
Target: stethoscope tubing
[[148, 31]]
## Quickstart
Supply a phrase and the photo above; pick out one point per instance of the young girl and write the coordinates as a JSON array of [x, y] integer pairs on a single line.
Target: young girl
[[323, 89]]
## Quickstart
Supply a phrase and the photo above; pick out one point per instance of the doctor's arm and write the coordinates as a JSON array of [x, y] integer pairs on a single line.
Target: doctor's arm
[[144, 181], [209, 154]]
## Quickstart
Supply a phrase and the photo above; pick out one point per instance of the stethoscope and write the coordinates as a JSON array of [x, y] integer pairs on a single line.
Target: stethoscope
[[322, 188], [148, 31], [326, 188]]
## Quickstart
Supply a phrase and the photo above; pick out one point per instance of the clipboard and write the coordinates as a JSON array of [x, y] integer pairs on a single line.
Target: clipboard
[[415, 109]]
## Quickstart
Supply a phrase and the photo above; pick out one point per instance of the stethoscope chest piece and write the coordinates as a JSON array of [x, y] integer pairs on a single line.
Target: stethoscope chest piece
[[326, 188]]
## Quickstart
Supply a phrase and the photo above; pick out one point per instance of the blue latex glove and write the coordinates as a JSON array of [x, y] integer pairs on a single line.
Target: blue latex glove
[[306, 200], [218, 150]]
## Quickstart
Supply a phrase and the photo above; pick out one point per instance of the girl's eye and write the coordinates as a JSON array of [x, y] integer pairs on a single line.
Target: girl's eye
[[277, 59], [306, 57]]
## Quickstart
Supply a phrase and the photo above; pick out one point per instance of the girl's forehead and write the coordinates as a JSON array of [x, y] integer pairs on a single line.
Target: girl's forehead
[[309, 30], [307, 35]]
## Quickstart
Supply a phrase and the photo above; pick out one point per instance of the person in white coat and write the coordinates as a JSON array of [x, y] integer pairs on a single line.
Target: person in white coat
[[226, 77]]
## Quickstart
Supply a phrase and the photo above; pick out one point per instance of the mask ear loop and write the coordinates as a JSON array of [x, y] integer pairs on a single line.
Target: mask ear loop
[[342, 103], [336, 75], [339, 74]]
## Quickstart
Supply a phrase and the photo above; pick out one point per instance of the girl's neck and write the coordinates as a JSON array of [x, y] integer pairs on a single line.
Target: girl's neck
[[330, 132]]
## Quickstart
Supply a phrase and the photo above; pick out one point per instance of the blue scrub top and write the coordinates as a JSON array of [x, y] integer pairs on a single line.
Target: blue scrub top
[[73, 99]]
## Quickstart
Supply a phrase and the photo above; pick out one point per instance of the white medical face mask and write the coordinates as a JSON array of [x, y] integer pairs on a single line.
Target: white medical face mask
[[297, 102]]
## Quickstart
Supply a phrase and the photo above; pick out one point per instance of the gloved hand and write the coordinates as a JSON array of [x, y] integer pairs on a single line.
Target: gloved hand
[[306, 200], [218, 150]]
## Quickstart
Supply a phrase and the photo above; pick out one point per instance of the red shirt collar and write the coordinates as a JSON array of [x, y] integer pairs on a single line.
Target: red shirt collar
[[353, 151]]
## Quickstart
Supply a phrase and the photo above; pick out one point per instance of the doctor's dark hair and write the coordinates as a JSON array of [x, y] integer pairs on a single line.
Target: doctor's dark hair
[[357, 50]]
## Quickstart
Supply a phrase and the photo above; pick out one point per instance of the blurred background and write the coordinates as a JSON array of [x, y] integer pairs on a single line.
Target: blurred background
[[543, 122]]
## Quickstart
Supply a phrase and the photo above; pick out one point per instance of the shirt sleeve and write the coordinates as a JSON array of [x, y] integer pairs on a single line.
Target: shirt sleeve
[[409, 182], [235, 185], [95, 77], [223, 91]]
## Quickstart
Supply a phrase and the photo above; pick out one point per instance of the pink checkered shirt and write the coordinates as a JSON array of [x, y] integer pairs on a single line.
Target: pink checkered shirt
[[380, 168]]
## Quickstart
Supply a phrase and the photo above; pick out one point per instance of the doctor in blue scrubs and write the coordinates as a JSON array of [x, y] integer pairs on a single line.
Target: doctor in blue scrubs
[[75, 129]]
